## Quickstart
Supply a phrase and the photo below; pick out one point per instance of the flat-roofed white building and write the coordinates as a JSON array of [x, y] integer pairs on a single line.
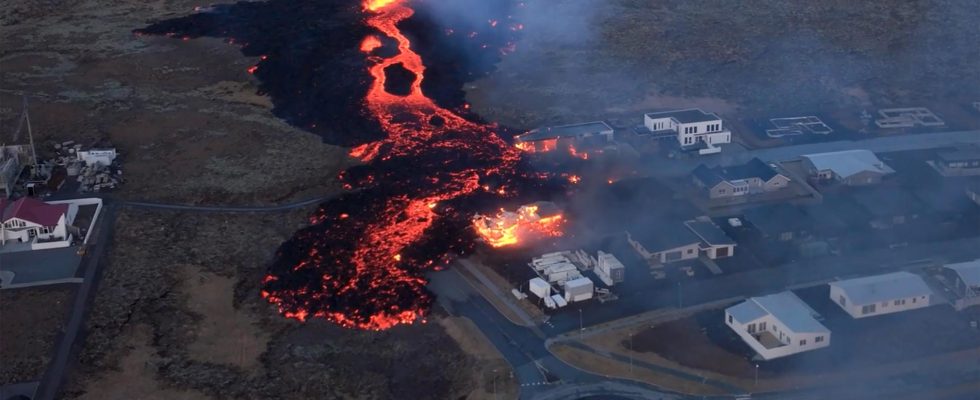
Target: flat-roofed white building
[[777, 325], [692, 126], [881, 294]]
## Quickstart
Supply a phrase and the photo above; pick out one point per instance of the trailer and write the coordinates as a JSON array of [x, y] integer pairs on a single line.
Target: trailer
[[539, 287]]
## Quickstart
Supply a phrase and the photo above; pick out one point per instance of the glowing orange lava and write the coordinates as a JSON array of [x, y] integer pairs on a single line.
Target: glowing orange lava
[[415, 126], [509, 228]]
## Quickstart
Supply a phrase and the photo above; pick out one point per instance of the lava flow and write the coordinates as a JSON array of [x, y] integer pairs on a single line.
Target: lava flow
[[530, 222], [360, 264]]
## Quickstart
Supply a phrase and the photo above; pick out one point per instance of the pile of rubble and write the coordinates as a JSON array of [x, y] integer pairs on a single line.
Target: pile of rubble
[[96, 169]]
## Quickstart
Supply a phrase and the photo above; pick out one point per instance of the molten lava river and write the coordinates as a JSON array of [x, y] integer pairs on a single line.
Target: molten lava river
[[409, 206], [427, 169]]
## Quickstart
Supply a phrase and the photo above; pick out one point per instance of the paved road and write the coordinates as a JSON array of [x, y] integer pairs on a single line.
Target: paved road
[[224, 209], [673, 168], [537, 370], [71, 341]]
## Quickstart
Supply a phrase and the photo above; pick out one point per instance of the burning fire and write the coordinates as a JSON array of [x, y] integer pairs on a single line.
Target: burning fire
[[510, 228], [361, 264]]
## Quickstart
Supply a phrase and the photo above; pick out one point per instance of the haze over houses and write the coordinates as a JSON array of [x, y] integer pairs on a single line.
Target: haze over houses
[[752, 177], [848, 167], [963, 161], [693, 128], [881, 294], [777, 325], [965, 282]]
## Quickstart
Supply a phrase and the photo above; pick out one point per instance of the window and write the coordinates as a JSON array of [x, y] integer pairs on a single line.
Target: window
[[868, 309], [818, 339], [897, 302], [689, 251], [913, 300], [842, 301], [762, 326], [803, 342], [730, 319], [751, 328], [884, 304]]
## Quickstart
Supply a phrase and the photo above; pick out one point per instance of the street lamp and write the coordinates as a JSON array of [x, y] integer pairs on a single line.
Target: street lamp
[[581, 322], [495, 383], [757, 375]]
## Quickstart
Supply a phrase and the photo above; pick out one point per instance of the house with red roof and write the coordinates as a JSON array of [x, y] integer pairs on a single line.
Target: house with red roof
[[28, 220]]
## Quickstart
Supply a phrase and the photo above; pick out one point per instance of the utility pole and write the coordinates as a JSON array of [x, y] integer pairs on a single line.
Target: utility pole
[[631, 353], [30, 136]]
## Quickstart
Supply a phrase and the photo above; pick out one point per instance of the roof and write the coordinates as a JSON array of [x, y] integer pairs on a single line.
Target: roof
[[848, 162], [659, 236], [773, 220], [879, 288], [755, 168], [709, 232], [573, 130], [687, 116], [36, 211], [887, 202], [969, 153], [786, 307], [968, 271]]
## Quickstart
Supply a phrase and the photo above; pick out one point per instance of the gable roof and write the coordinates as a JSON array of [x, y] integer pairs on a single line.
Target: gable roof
[[968, 271], [663, 235], [848, 163], [755, 168], [709, 232], [879, 288], [36, 211], [785, 307]]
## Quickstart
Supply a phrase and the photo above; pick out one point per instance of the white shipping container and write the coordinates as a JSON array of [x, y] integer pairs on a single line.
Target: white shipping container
[[539, 287], [559, 301]]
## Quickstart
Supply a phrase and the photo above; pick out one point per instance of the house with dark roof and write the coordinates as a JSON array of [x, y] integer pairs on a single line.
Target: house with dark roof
[[964, 161], [29, 220], [549, 138], [674, 241], [779, 222], [752, 177]]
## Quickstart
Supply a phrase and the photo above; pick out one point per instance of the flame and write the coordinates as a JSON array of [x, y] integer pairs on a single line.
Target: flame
[[510, 228], [370, 43]]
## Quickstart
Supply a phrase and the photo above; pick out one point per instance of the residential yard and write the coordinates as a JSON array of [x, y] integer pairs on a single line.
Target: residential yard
[[31, 319]]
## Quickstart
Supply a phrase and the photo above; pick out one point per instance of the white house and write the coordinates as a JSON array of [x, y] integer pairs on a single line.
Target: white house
[[97, 156], [28, 220], [964, 278], [850, 167], [777, 325], [692, 126], [881, 294]]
